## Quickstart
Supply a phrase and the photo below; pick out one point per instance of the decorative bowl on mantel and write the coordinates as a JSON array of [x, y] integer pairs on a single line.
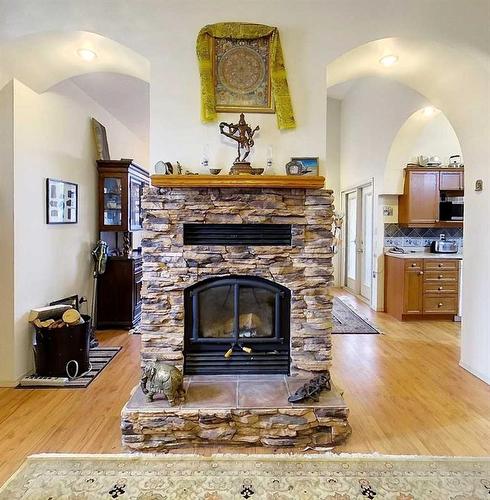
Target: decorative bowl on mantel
[[258, 171], [215, 171]]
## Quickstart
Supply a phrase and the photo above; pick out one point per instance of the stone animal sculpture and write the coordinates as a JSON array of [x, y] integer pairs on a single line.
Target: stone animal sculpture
[[161, 378], [312, 389]]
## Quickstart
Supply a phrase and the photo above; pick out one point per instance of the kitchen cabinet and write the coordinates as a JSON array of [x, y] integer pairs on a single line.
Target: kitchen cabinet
[[451, 181], [419, 205], [421, 288], [413, 287]]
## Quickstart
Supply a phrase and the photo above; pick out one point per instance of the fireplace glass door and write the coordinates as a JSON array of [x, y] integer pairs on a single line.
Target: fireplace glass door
[[237, 324]]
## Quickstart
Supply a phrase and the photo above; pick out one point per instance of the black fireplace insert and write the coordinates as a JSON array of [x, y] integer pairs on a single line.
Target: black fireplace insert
[[237, 324]]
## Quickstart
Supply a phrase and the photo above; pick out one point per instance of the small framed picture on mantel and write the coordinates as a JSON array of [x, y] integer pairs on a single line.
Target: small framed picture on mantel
[[61, 202]]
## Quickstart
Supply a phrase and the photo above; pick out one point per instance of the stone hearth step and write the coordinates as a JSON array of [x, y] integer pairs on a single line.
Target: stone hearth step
[[250, 410]]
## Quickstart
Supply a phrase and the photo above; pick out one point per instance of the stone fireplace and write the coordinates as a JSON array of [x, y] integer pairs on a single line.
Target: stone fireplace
[[303, 267], [235, 292]]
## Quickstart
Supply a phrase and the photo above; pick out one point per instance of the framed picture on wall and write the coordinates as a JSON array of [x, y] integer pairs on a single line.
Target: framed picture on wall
[[61, 202], [101, 144], [309, 164]]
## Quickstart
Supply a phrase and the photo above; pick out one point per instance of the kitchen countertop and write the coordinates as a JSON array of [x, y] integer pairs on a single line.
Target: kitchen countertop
[[421, 254]]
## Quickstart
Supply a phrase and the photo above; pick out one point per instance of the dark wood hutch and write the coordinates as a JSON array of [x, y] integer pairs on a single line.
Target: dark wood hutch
[[120, 187]]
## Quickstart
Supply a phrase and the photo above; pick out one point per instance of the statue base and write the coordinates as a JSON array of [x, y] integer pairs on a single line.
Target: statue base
[[241, 168]]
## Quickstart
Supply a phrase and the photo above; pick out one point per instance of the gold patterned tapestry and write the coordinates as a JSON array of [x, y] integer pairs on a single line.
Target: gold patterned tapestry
[[247, 54]]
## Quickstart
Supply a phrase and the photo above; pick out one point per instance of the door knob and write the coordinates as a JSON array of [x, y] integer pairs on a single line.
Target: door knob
[[440, 304], [440, 265], [440, 288], [421, 272], [440, 276], [414, 264]]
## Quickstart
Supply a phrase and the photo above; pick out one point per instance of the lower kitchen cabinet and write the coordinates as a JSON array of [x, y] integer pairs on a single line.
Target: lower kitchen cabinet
[[421, 287]]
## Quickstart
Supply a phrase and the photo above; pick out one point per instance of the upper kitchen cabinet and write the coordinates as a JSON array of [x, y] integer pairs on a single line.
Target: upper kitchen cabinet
[[424, 189], [419, 203], [451, 181], [121, 185]]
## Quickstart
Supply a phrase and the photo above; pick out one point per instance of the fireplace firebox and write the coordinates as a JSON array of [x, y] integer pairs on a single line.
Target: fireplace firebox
[[237, 324]]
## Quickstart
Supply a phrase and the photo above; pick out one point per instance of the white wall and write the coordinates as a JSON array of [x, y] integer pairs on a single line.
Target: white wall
[[332, 164], [314, 33], [372, 113], [419, 135], [53, 138], [6, 230]]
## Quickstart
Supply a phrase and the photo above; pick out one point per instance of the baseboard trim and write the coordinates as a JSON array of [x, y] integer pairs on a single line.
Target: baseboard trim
[[475, 373], [9, 383], [15, 382]]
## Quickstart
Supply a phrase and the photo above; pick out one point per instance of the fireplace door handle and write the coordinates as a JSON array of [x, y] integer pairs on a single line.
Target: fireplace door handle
[[246, 349]]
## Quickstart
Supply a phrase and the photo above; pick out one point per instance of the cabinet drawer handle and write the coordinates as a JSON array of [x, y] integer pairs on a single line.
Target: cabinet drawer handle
[[414, 264], [440, 304], [440, 288], [421, 272], [440, 276], [440, 265]]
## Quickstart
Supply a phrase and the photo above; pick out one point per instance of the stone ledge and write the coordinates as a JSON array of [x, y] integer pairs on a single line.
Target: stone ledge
[[157, 426]]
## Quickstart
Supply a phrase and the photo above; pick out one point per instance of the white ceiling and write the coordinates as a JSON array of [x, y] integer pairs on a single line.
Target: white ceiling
[[124, 97]]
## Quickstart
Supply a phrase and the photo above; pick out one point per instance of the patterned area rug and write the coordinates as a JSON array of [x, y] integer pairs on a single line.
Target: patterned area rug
[[256, 477], [345, 320]]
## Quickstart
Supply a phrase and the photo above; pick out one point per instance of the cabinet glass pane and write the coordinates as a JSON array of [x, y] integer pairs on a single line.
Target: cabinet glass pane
[[135, 205], [112, 201]]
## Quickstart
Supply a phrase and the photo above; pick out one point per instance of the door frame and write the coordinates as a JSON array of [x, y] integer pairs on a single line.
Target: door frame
[[343, 246]]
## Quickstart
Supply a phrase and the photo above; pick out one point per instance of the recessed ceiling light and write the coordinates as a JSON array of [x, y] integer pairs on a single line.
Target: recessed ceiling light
[[388, 60], [429, 110], [86, 54]]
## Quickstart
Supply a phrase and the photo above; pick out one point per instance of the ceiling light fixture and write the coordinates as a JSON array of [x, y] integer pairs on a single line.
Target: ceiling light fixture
[[86, 54], [429, 110], [388, 60]]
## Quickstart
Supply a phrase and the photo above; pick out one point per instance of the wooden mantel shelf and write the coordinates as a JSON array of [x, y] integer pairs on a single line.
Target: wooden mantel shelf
[[239, 181]]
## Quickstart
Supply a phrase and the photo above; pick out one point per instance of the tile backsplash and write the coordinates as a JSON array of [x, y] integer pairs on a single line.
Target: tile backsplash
[[401, 236]]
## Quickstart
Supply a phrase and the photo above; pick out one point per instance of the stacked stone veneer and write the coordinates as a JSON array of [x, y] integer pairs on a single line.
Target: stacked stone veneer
[[147, 429], [305, 268]]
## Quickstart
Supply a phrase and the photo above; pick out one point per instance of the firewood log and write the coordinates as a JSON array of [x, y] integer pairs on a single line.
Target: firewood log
[[71, 317], [48, 312]]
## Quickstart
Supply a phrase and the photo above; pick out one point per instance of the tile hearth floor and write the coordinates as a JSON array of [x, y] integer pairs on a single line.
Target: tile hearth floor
[[239, 391]]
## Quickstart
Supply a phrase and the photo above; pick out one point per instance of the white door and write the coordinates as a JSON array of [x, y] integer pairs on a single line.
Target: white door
[[359, 240], [366, 247], [351, 267]]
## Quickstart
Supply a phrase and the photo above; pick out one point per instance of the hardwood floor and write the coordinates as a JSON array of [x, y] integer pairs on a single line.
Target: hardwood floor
[[406, 393]]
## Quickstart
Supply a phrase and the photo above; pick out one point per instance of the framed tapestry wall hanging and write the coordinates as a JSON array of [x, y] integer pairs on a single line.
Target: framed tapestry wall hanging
[[242, 75], [241, 66]]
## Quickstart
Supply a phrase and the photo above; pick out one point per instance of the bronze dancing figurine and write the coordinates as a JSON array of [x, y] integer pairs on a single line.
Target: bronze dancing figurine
[[243, 134]]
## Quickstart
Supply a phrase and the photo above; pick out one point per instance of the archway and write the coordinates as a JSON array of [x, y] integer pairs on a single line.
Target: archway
[[48, 95], [428, 68]]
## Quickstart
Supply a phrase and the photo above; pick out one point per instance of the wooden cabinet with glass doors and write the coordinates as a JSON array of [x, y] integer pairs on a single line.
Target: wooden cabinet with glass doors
[[120, 188]]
